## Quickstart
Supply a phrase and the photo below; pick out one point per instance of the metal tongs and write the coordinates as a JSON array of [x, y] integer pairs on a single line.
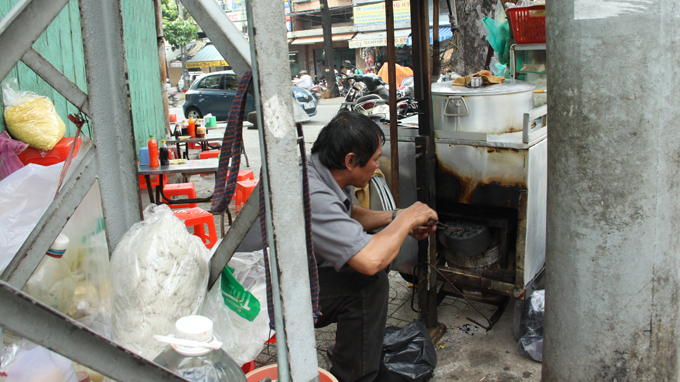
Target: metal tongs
[[446, 227]]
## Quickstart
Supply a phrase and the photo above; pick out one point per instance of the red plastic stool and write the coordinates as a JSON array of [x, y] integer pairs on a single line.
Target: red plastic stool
[[245, 174], [154, 181], [243, 190], [210, 154], [175, 189], [197, 218]]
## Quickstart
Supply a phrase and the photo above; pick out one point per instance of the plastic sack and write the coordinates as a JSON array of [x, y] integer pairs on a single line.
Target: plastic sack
[[9, 155], [498, 33], [243, 340], [159, 273], [408, 354], [31, 118], [24, 198], [88, 258], [25, 361], [530, 343]]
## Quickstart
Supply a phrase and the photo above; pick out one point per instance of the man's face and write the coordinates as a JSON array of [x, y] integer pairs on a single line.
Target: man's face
[[363, 175]]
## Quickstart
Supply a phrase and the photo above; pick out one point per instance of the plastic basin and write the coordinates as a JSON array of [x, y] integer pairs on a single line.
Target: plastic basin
[[272, 372]]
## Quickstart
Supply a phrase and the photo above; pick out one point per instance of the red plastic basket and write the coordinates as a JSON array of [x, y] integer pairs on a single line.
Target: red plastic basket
[[527, 24]]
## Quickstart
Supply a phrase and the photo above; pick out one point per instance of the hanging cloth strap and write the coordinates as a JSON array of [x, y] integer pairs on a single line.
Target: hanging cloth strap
[[232, 144], [311, 258]]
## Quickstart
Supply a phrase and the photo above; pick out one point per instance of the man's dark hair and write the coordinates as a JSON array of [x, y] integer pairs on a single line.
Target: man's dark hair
[[348, 132]]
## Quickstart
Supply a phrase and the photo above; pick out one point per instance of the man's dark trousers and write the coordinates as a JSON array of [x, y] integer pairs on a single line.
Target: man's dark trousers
[[358, 303]]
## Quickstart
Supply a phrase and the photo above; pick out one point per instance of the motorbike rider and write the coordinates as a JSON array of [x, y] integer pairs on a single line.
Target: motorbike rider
[[305, 80]]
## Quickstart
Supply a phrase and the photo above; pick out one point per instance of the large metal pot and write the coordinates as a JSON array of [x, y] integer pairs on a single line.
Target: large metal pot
[[492, 109]]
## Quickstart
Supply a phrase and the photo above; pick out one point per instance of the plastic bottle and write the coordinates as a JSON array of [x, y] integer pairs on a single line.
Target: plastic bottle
[[52, 282], [165, 157], [153, 152], [192, 128], [199, 364]]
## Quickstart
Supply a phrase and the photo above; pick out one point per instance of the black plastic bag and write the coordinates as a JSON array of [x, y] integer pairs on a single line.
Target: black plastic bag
[[530, 343], [408, 354]]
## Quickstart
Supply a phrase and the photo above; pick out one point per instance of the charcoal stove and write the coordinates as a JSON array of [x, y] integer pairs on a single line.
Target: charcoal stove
[[496, 180]]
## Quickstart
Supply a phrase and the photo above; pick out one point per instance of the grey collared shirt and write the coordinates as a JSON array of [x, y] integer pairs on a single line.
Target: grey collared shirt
[[337, 237]]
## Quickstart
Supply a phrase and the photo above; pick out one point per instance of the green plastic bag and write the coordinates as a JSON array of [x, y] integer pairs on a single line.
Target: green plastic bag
[[498, 33], [237, 298]]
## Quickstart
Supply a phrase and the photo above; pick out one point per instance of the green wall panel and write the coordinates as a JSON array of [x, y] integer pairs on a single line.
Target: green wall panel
[[143, 70], [61, 44]]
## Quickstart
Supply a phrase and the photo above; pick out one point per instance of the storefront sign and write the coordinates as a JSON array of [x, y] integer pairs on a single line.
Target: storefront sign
[[375, 13], [206, 64]]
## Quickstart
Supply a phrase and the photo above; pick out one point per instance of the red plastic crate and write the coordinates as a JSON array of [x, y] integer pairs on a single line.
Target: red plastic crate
[[527, 24], [56, 155]]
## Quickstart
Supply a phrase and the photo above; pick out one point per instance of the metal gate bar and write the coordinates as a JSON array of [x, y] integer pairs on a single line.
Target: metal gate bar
[[283, 196]]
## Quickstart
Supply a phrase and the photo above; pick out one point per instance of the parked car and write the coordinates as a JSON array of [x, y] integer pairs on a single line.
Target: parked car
[[214, 94]]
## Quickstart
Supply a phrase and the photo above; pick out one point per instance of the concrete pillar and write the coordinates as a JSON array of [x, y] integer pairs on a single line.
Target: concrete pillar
[[612, 259]]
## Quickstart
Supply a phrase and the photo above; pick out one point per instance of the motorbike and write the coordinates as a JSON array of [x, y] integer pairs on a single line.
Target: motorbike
[[172, 98], [316, 91], [369, 96]]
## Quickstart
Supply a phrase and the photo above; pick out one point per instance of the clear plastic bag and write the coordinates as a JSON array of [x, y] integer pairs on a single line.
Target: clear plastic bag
[[243, 340], [9, 155], [31, 118], [530, 343], [159, 273], [25, 361], [88, 257], [408, 354]]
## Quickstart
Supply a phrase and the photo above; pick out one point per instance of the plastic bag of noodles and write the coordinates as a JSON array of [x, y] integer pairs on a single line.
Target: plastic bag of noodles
[[31, 118]]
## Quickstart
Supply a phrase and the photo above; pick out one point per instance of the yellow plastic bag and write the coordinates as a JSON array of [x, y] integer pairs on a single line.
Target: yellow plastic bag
[[31, 118]]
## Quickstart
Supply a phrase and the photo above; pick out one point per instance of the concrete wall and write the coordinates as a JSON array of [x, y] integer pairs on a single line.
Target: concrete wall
[[613, 202]]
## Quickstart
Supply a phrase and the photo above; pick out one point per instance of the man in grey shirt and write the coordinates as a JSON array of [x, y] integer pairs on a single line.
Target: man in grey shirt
[[354, 289]]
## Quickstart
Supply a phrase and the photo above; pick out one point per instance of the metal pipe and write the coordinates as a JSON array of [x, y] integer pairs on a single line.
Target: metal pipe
[[234, 237], [111, 117], [31, 319], [425, 155], [56, 79], [228, 40], [22, 265], [392, 79], [281, 181], [22, 26]]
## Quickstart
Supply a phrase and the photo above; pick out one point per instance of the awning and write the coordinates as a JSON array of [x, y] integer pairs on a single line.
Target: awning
[[315, 39], [207, 57], [368, 39], [444, 33]]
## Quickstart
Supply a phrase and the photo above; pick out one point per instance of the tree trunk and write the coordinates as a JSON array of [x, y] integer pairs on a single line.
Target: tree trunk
[[470, 39], [328, 49]]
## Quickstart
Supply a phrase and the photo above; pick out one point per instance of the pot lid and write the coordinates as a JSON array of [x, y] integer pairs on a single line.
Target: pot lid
[[507, 87]]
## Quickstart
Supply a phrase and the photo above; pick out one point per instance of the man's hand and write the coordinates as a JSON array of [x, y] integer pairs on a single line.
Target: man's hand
[[421, 226]]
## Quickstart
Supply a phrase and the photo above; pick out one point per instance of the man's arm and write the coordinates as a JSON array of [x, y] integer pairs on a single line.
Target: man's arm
[[370, 219], [384, 246]]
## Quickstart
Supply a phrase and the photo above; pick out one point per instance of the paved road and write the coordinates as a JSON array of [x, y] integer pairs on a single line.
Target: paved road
[[326, 110]]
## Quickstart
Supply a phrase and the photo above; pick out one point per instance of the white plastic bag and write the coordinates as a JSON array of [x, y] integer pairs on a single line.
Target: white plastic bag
[[25, 361], [159, 273], [241, 339], [25, 195]]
